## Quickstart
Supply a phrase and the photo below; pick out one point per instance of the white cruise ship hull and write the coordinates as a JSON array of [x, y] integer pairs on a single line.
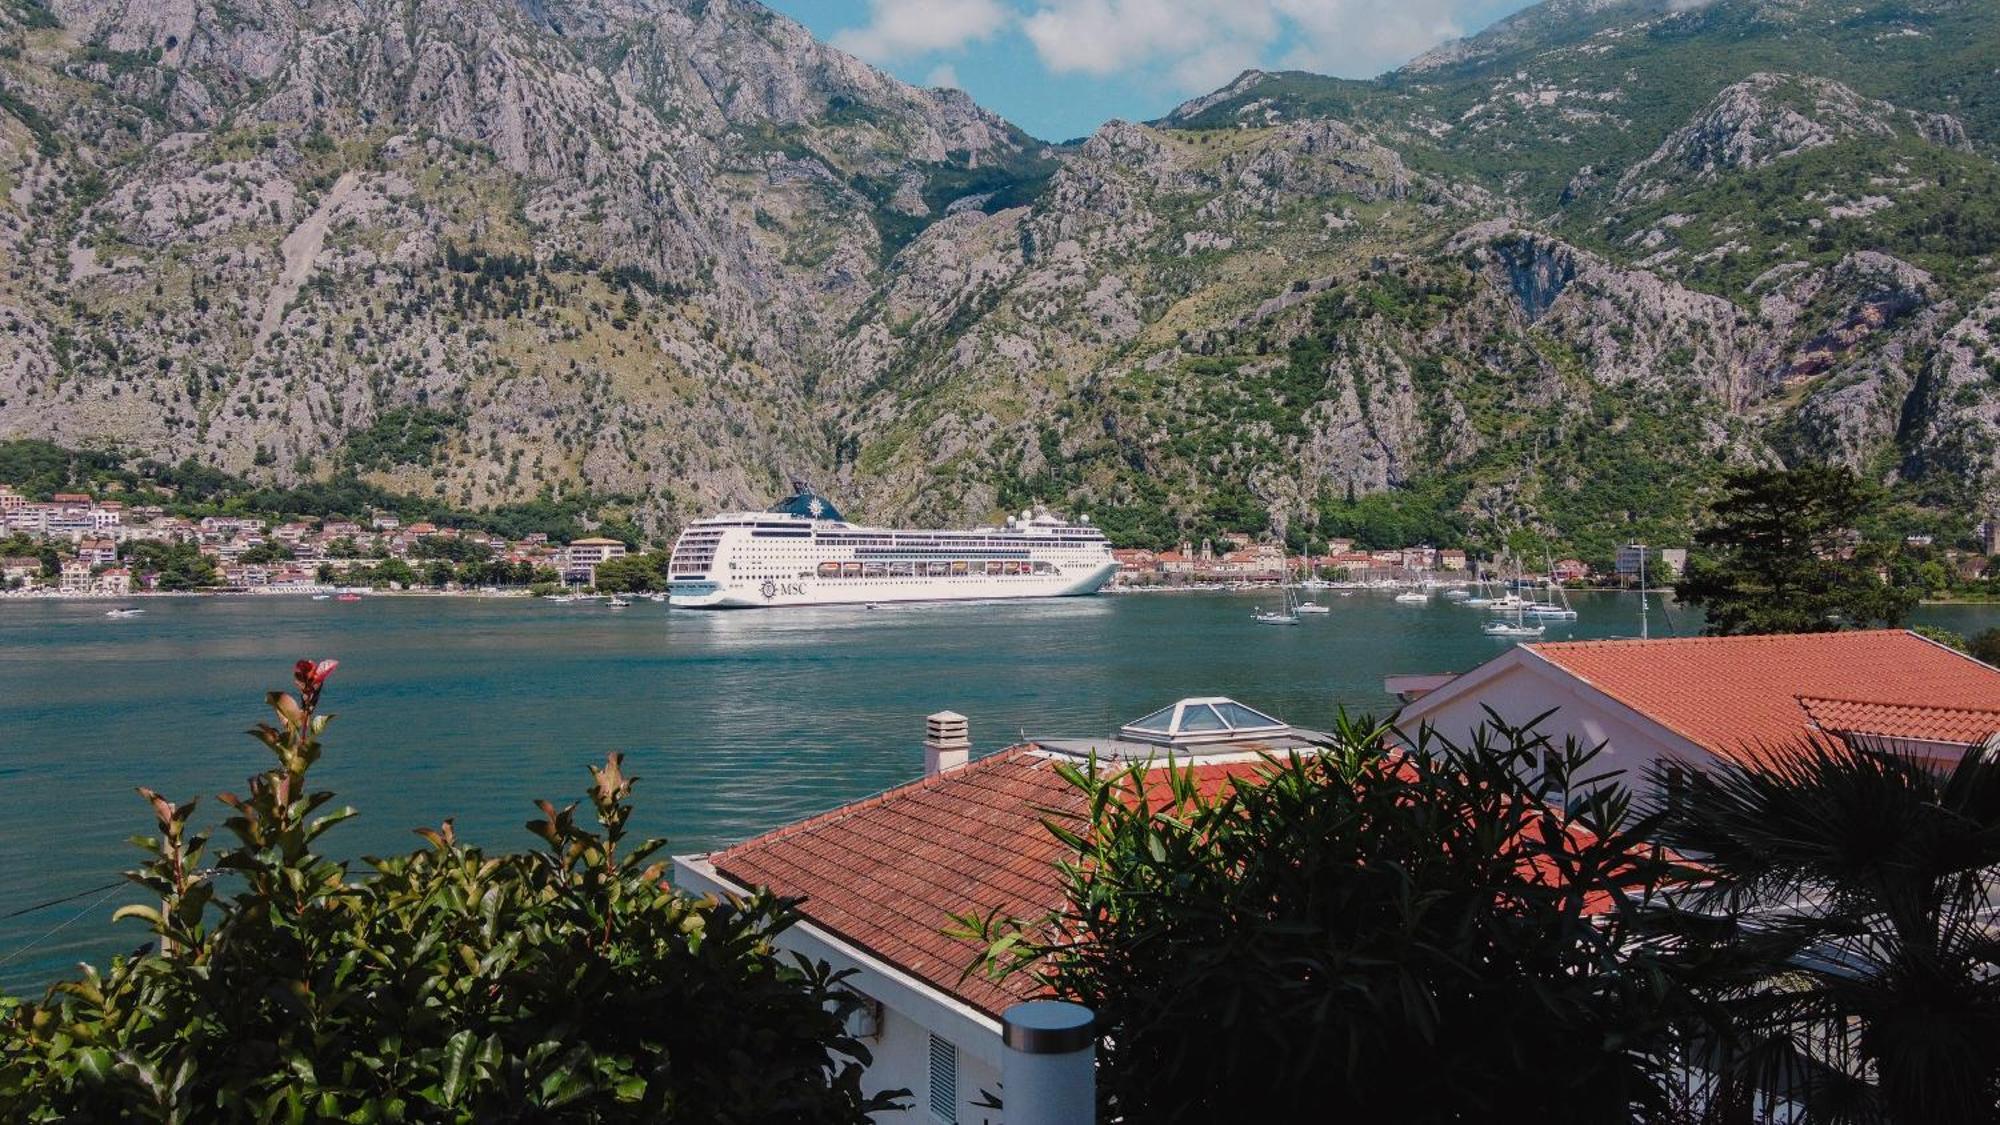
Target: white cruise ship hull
[[858, 591], [803, 553]]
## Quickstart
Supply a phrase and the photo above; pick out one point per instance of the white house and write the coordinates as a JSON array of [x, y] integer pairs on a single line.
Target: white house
[[880, 879], [1691, 701]]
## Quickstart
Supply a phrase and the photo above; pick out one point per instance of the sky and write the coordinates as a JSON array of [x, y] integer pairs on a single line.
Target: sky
[[1061, 68]]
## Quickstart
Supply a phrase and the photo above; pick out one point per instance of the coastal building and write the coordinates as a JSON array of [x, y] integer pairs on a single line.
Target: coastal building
[[97, 552], [1452, 560], [26, 571], [10, 500], [880, 879], [116, 582], [583, 556], [75, 577], [1570, 570], [1693, 701]]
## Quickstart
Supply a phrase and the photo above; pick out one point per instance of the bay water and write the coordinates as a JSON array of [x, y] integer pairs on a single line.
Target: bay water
[[736, 722]]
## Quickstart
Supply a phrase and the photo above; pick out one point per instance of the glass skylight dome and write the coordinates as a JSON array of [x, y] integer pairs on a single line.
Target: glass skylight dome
[[1202, 720]]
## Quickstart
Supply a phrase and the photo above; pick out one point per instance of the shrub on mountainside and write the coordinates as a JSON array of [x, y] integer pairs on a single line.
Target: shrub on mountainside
[[1439, 936], [568, 984]]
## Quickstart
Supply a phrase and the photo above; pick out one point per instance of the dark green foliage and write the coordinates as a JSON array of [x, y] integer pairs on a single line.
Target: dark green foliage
[[402, 435], [179, 566], [1772, 559], [269, 552], [1424, 513], [568, 984], [1985, 646], [1849, 886], [1359, 935], [633, 574], [38, 468]]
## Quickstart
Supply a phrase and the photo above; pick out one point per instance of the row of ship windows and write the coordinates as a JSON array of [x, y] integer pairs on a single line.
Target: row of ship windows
[[958, 568]]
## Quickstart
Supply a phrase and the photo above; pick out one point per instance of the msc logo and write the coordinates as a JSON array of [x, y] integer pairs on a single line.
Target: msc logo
[[771, 589]]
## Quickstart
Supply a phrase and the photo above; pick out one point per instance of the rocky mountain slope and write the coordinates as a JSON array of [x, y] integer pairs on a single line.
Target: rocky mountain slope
[[1543, 282]]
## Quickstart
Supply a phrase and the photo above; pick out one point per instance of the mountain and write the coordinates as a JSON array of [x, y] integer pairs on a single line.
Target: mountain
[[1543, 282]]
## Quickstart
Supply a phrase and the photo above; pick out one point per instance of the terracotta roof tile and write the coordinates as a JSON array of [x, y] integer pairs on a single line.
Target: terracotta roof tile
[[1737, 696], [886, 873], [1964, 725]]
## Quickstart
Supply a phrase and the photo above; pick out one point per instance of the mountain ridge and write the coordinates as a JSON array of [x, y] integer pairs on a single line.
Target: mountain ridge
[[668, 255]]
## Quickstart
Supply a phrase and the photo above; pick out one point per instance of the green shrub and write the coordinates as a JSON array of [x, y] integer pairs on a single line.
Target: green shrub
[[1445, 934], [568, 984]]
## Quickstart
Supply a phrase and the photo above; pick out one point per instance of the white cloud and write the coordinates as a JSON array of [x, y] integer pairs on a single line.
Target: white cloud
[[902, 28], [945, 76], [1363, 38], [1201, 44]]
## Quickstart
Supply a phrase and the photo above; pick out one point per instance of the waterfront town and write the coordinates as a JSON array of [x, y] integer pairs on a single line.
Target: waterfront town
[[90, 546], [94, 543]]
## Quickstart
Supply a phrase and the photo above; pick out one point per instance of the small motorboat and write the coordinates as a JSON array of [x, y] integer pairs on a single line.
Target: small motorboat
[[1273, 617], [124, 611], [1413, 597], [620, 603], [322, 597], [348, 597], [1511, 629], [1312, 607], [1457, 595], [874, 605]]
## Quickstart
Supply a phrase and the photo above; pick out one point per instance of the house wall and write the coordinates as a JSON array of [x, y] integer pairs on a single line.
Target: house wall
[[1632, 742], [912, 1011]]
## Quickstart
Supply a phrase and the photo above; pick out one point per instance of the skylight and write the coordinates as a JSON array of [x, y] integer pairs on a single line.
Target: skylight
[[1203, 720]]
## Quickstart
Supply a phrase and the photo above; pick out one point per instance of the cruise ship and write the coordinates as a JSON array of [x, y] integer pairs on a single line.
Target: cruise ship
[[802, 552]]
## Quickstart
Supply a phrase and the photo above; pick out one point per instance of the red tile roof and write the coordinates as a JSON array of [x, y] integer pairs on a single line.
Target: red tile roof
[[1735, 696], [885, 874], [1962, 725]]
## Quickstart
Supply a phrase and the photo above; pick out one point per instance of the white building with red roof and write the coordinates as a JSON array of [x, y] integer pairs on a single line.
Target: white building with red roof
[[1693, 701], [881, 878]]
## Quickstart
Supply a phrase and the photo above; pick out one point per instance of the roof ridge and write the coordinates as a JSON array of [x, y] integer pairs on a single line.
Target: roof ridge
[[1738, 638], [1858, 702]]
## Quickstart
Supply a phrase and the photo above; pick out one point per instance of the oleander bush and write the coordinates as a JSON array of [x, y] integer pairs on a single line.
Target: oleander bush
[[1441, 934], [565, 984]]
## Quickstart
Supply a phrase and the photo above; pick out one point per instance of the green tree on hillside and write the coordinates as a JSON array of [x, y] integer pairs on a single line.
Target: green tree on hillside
[[1778, 556]]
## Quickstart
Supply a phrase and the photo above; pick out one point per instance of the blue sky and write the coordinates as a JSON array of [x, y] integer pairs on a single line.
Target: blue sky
[[1060, 68]]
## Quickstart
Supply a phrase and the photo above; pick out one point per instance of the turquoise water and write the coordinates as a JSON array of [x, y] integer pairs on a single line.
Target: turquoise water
[[736, 722]]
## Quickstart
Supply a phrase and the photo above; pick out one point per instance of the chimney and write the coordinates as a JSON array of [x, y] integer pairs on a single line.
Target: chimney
[[947, 742]]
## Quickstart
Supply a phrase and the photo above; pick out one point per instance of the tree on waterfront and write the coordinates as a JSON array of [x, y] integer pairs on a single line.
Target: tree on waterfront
[[567, 984], [1443, 934], [1779, 556], [633, 574], [1850, 889]]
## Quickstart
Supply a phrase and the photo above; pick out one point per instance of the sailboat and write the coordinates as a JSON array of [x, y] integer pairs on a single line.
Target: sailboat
[[1514, 628], [1517, 605], [1290, 614], [1558, 610]]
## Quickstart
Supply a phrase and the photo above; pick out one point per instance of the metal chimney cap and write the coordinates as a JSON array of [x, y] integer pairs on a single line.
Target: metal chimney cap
[[1048, 1027]]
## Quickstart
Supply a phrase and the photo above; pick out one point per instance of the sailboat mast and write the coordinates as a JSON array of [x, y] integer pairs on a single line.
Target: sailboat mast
[[1644, 631]]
